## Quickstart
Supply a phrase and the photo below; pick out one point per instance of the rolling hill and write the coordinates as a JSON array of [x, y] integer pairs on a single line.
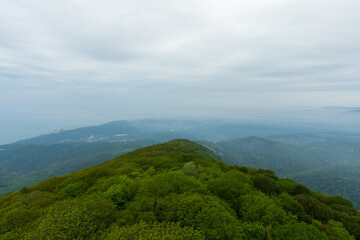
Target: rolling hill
[[328, 166], [26, 164], [175, 190], [168, 129]]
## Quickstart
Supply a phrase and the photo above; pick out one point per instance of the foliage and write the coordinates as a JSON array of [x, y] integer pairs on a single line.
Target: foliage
[[329, 164], [334, 230], [74, 219], [27, 164], [315, 208], [257, 207], [191, 169], [299, 231], [265, 184], [118, 193], [156, 230], [176, 190]]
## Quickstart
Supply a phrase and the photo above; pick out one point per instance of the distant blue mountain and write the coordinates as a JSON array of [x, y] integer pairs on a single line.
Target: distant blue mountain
[[354, 111], [168, 129]]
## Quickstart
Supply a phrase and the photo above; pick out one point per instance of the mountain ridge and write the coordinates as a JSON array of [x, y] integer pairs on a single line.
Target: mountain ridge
[[174, 190]]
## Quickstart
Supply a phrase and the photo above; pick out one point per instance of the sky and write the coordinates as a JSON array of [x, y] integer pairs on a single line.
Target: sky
[[72, 63]]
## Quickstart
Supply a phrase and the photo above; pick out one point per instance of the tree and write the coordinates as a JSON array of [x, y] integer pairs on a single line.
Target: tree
[[298, 231], [265, 184], [74, 219], [257, 207], [118, 193], [156, 230]]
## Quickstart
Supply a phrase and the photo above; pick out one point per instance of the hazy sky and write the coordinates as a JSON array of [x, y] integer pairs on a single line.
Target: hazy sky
[[90, 61]]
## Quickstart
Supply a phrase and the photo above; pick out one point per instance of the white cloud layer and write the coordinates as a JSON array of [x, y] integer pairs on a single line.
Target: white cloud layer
[[124, 59]]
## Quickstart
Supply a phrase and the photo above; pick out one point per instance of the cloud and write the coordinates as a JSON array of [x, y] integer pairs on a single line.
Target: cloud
[[222, 53]]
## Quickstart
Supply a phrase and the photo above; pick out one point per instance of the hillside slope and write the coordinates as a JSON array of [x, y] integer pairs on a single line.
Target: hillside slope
[[285, 158], [327, 166], [176, 190], [27, 164]]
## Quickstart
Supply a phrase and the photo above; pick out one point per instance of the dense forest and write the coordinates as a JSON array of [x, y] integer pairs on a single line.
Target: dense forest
[[327, 165], [176, 190], [27, 164]]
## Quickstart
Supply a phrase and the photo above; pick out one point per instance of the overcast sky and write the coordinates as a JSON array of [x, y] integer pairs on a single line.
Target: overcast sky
[[105, 60]]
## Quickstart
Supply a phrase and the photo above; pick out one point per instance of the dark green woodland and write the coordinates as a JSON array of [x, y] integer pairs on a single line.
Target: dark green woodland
[[175, 190]]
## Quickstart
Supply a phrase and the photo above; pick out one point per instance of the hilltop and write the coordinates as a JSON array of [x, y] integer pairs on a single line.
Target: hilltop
[[175, 190]]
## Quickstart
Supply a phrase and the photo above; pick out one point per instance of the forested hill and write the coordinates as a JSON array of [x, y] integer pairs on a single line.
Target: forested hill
[[27, 164], [328, 166], [176, 190]]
